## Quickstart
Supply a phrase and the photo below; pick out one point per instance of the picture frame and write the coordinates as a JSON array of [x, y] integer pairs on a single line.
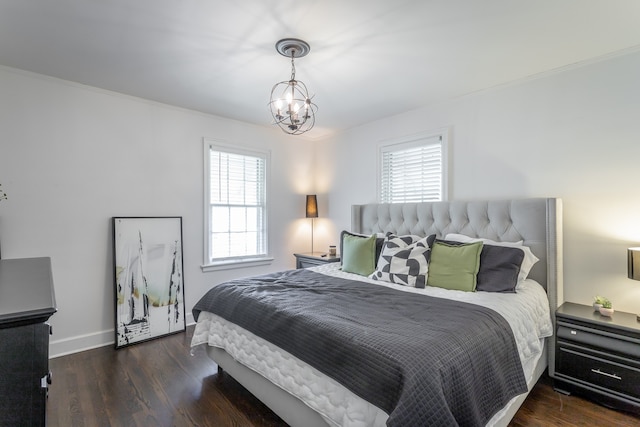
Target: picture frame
[[148, 278]]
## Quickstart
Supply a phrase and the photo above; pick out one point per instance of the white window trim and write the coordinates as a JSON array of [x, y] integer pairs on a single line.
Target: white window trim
[[411, 141], [239, 262]]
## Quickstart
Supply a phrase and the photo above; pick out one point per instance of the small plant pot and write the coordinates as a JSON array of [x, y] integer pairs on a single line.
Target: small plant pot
[[597, 306], [606, 311]]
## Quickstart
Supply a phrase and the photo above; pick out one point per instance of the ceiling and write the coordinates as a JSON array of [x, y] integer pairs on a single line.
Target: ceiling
[[369, 58]]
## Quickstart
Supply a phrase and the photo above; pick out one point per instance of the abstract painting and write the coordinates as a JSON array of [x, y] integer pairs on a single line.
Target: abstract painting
[[149, 287]]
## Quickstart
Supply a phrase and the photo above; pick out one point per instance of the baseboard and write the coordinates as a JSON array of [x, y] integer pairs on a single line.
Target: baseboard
[[85, 342], [80, 343]]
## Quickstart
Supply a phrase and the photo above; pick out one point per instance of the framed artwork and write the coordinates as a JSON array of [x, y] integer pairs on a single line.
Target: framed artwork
[[149, 286]]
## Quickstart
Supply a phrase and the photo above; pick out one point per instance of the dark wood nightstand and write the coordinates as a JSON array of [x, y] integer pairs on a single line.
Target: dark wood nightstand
[[598, 356], [311, 259]]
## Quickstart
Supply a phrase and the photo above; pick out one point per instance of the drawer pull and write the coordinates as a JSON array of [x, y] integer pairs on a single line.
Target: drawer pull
[[574, 332], [598, 371]]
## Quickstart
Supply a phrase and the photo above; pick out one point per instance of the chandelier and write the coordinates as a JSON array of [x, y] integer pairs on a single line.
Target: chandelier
[[290, 103]]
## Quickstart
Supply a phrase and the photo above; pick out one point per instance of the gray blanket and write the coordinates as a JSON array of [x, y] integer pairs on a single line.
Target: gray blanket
[[425, 361]]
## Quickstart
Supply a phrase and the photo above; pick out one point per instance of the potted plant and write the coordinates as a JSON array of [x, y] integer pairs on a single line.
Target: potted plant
[[597, 302], [606, 309]]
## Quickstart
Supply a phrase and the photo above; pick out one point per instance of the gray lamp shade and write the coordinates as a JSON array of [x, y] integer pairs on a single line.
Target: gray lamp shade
[[312, 206], [633, 263]]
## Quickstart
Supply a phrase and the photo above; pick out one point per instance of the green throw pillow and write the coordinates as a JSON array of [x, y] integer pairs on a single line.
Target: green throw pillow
[[358, 254], [454, 266]]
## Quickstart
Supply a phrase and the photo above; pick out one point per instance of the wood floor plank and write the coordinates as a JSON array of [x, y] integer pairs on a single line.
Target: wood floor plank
[[162, 383]]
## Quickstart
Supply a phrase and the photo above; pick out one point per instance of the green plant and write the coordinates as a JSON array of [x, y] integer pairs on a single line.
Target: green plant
[[599, 300], [606, 303]]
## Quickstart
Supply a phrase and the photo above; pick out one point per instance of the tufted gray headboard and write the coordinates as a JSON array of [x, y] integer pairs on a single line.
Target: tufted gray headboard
[[536, 221]]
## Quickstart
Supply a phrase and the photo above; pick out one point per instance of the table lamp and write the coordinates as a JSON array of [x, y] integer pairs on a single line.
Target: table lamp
[[633, 265], [312, 212]]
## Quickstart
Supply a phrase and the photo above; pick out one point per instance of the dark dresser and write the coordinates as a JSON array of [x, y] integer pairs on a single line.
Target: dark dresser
[[598, 356], [27, 300]]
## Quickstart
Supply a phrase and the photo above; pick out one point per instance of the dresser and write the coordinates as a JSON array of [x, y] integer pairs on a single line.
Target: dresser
[[598, 356], [27, 300]]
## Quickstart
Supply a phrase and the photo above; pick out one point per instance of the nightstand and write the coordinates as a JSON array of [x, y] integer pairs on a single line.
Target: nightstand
[[311, 259], [598, 356]]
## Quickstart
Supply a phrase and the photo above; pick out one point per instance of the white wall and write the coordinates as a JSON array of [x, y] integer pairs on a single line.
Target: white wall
[[72, 157], [573, 134]]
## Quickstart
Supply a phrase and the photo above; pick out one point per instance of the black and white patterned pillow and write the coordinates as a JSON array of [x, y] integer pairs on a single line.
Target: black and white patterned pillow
[[404, 260]]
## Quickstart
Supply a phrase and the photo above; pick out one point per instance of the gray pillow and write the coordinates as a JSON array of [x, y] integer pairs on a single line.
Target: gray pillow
[[499, 268]]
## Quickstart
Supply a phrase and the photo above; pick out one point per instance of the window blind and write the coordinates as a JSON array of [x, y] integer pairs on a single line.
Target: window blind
[[412, 172], [237, 202]]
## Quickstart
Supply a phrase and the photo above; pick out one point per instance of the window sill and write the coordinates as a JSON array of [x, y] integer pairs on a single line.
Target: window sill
[[236, 263]]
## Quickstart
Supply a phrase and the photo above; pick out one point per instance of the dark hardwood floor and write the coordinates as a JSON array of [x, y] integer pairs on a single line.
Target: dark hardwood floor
[[159, 383]]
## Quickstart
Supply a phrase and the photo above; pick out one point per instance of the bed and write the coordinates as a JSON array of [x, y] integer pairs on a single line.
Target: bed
[[276, 370]]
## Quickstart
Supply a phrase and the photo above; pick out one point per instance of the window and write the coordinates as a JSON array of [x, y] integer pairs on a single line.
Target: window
[[413, 170], [235, 204]]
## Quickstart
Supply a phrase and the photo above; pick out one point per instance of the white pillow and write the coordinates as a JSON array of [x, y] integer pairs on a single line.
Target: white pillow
[[466, 239], [527, 263]]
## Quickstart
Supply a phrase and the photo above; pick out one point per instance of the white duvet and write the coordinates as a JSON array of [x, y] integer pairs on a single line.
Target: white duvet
[[526, 311]]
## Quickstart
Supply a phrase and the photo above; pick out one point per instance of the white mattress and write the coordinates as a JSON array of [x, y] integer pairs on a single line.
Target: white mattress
[[527, 312]]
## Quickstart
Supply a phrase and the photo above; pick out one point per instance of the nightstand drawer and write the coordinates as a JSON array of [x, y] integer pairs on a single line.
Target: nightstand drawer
[[586, 336], [314, 259], [599, 372], [306, 263]]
